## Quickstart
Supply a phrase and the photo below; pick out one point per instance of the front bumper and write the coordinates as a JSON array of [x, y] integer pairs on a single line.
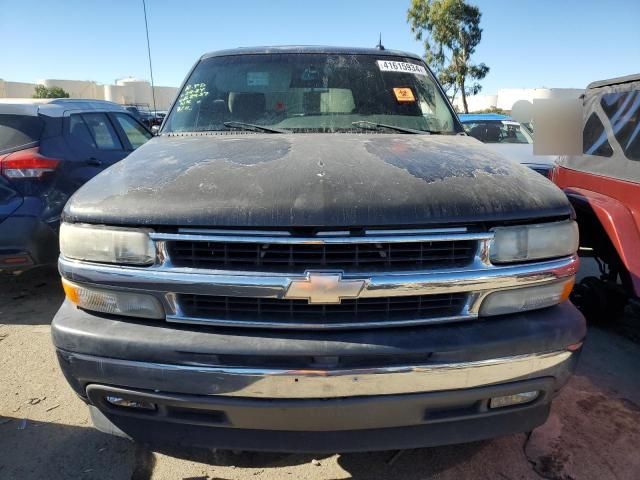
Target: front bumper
[[206, 393], [322, 426]]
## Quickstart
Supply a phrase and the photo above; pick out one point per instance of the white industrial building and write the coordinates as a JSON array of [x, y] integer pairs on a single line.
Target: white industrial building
[[132, 90], [506, 97], [124, 91]]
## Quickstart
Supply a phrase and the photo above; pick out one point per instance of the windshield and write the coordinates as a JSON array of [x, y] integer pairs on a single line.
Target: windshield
[[311, 93], [498, 131]]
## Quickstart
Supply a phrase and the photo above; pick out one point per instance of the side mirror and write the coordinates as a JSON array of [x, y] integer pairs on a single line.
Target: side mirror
[[155, 129]]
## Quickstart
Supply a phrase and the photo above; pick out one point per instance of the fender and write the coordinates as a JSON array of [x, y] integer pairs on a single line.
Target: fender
[[616, 205], [619, 224]]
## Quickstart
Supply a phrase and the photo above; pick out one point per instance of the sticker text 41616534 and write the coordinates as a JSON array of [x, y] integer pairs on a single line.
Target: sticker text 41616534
[[401, 67]]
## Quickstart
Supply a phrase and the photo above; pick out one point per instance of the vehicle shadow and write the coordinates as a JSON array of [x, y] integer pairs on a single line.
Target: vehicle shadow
[[612, 347], [411, 464], [31, 298], [610, 357], [34, 449], [239, 459], [416, 464]]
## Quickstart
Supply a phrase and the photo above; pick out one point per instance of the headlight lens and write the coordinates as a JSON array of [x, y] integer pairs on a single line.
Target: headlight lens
[[533, 242], [106, 244], [113, 301], [527, 298]]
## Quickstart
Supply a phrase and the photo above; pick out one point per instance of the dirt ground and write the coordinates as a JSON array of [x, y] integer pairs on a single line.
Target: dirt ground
[[45, 431]]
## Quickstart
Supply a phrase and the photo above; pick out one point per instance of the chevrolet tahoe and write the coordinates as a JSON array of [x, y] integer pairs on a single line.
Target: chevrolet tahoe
[[313, 256]]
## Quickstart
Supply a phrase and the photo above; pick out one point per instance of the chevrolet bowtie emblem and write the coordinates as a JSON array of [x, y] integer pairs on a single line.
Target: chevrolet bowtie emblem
[[323, 287]]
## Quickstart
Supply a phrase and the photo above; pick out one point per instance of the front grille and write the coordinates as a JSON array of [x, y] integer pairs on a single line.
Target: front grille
[[300, 312], [302, 256]]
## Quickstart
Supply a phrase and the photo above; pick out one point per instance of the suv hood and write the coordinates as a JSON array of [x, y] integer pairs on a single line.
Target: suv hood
[[328, 180]]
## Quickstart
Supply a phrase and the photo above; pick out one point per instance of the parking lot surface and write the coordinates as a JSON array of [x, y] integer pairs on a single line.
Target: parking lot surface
[[45, 431]]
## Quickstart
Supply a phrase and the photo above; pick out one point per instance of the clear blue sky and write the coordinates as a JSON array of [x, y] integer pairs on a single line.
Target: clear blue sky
[[552, 43]]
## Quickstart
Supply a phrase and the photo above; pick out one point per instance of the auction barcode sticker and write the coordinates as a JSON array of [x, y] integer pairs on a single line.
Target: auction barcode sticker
[[404, 67]]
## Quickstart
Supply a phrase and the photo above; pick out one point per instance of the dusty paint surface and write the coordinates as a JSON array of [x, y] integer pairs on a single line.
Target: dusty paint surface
[[261, 180]]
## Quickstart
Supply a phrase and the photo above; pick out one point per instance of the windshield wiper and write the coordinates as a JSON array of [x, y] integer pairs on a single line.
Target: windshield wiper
[[254, 128], [366, 125]]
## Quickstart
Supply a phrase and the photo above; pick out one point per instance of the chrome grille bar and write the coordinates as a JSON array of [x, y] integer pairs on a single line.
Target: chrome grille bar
[[319, 240]]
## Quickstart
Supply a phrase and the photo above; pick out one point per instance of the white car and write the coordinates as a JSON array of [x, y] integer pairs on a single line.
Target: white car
[[508, 137]]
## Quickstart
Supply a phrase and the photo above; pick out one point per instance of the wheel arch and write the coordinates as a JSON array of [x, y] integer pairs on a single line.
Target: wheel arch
[[608, 226]]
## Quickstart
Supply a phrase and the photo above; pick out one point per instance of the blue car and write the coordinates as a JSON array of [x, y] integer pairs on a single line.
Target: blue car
[[48, 149], [507, 137]]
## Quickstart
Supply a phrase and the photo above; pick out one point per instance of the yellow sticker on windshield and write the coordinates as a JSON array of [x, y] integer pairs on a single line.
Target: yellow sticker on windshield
[[404, 94]]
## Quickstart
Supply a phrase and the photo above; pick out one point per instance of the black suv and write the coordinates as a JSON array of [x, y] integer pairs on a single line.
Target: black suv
[[312, 256], [48, 149]]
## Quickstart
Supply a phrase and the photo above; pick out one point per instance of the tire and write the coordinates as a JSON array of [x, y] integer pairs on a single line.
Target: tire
[[599, 301]]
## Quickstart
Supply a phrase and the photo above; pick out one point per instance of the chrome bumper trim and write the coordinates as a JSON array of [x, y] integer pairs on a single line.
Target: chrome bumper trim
[[387, 284], [310, 384], [478, 281]]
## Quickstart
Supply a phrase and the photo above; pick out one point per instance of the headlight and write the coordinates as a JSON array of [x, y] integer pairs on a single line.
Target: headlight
[[106, 244], [113, 301], [534, 242], [527, 298]]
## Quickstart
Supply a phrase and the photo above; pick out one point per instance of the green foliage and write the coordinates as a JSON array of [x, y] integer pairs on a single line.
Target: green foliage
[[493, 110], [450, 30], [54, 92]]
